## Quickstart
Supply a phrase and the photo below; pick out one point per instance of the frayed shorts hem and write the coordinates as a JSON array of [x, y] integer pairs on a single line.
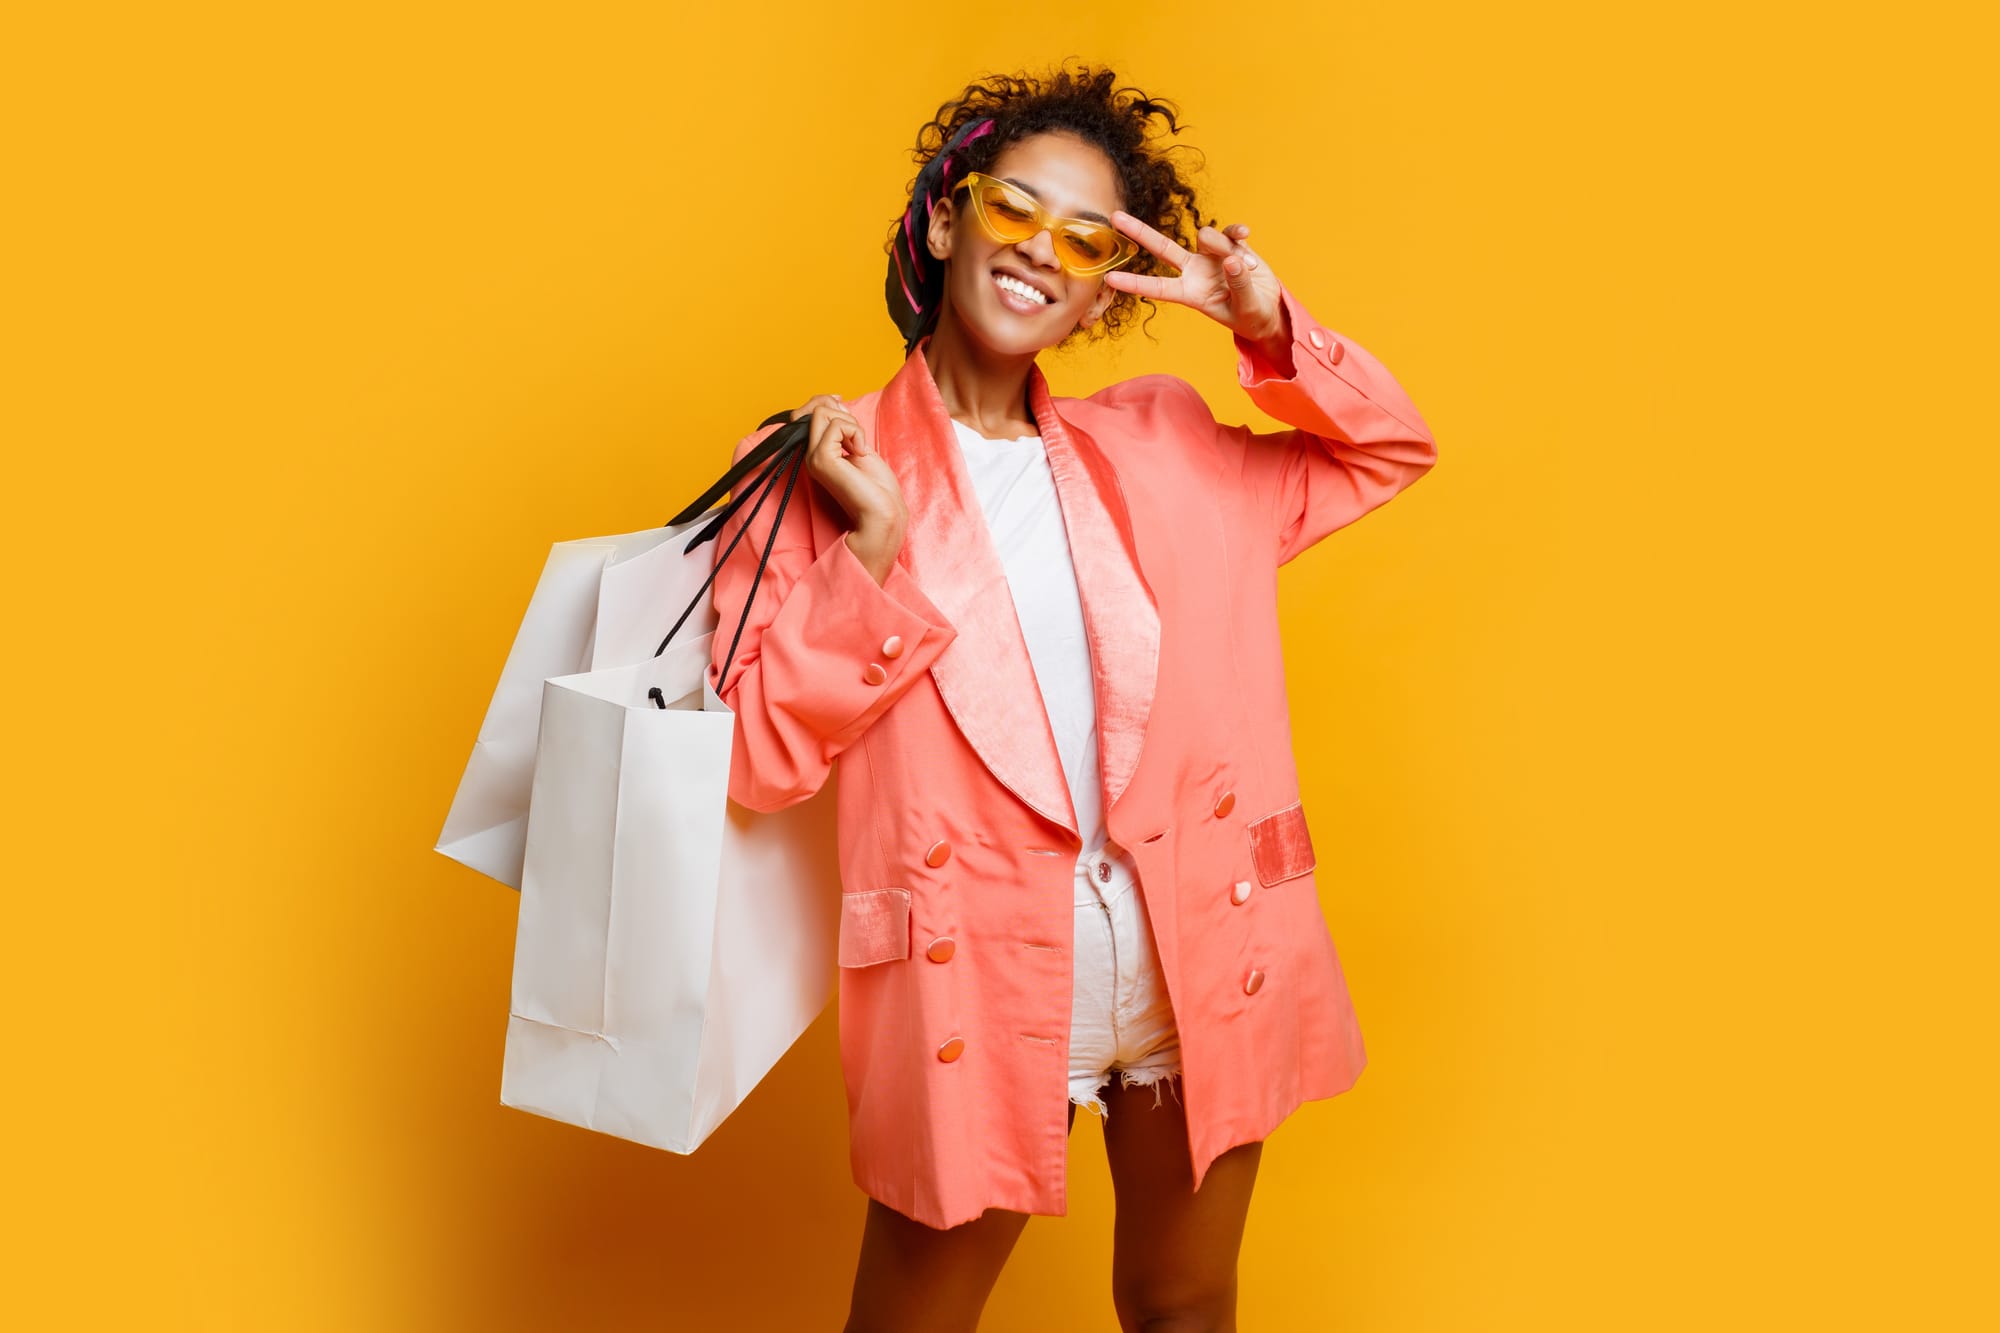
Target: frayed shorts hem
[[1159, 1079]]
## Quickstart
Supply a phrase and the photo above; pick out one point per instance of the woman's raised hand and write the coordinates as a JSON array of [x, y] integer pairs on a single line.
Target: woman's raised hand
[[840, 458], [1224, 279]]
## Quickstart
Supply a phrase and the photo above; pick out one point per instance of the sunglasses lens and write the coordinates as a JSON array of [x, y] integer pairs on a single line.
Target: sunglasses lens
[[1011, 217], [1087, 247]]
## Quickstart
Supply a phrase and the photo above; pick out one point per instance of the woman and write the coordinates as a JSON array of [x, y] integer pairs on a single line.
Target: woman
[[1040, 637]]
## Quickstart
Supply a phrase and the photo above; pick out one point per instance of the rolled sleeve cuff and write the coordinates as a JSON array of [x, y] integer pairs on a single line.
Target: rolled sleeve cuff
[[1336, 388], [885, 634]]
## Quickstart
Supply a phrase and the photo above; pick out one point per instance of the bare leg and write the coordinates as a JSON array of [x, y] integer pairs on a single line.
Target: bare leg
[[1173, 1261], [915, 1277]]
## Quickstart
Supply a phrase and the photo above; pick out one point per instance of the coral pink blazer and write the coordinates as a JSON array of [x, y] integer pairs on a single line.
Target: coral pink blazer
[[957, 840]]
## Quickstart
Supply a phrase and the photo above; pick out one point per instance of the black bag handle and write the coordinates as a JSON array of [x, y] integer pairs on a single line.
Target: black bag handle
[[784, 450], [777, 442]]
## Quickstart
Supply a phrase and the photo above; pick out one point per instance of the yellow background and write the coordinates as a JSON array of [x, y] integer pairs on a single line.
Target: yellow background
[[1650, 738]]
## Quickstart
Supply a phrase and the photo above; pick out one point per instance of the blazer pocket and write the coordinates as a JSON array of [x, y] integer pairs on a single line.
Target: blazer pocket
[[1280, 845], [874, 927]]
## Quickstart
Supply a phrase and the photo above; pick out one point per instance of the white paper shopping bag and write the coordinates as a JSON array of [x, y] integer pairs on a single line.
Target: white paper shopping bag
[[597, 604], [671, 945]]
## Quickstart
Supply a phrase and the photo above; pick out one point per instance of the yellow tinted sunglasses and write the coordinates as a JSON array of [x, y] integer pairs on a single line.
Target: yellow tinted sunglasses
[[1011, 215]]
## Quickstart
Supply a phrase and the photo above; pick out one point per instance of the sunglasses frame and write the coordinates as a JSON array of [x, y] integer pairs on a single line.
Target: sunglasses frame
[[1127, 251]]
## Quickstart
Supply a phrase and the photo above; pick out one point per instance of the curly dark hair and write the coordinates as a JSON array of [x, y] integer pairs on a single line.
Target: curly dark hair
[[1087, 104]]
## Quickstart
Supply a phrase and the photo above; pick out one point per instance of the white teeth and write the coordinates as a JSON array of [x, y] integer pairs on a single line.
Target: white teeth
[[1019, 288]]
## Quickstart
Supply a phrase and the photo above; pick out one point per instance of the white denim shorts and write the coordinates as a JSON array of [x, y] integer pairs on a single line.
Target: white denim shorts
[[1120, 1018]]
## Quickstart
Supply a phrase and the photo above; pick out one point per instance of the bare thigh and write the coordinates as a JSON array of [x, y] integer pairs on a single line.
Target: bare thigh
[[1173, 1260], [916, 1277]]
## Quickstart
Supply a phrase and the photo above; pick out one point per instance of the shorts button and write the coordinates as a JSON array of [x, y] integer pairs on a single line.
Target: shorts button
[[941, 950], [939, 853], [1226, 804], [1241, 893], [1252, 982], [952, 1049], [892, 646], [874, 674]]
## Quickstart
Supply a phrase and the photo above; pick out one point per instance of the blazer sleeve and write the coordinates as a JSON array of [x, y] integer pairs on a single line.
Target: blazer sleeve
[[801, 682], [1356, 438]]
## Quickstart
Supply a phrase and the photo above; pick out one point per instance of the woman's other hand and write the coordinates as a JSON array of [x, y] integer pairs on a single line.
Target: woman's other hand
[[840, 458], [1225, 281]]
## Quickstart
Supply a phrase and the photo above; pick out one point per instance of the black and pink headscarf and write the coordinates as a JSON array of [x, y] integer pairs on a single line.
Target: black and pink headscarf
[[915, 287]]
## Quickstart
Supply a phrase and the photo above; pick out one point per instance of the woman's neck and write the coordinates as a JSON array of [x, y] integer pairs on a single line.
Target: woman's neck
[[985, 392]]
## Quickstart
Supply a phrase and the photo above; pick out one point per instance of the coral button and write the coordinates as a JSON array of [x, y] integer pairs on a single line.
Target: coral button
[[892, 646], [939, 853], [941, 950], [874, 673], [1335, 355], [1226, 804], [1241, 893], [1317, 338], [1254, 980], [952, 1049]]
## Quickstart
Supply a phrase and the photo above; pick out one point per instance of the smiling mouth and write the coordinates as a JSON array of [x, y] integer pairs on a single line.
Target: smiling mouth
[[1020, 291]]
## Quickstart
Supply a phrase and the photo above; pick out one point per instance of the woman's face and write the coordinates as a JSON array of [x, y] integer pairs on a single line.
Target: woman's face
[[1071, 178]]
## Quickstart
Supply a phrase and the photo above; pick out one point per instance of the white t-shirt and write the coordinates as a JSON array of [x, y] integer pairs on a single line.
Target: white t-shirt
[[1018, 494]]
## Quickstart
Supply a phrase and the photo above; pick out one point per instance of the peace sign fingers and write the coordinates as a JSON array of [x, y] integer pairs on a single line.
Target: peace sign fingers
[[1223, 278], [1182, 288]]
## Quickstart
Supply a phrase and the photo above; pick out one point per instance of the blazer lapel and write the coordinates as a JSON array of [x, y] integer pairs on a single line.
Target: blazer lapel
[[1121, 618], [986, 676]]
